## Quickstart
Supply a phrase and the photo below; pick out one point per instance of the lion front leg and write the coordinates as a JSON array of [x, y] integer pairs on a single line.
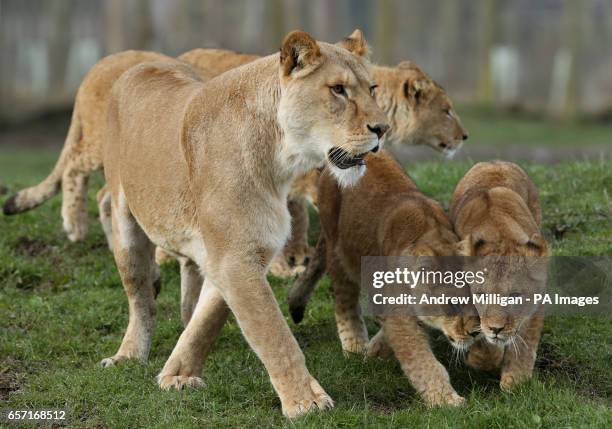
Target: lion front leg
[[411, 348], [184, 366], [519, 360], [246, 291], [485, 356]]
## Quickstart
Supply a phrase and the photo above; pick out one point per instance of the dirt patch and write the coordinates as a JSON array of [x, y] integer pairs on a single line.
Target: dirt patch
[[384, 407], [32, 247], [8, 384], [550, 361]]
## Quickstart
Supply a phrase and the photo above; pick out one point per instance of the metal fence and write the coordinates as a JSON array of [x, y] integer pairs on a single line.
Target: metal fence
[[553, 56]]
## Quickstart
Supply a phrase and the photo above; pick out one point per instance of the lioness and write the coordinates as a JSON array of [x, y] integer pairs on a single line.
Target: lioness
[[418, 108], [386, 215], [495, 210], [82, 153], [204, 169], [420, 113]]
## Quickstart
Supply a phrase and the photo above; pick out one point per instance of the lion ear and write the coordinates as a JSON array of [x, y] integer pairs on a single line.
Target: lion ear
[[413, 91], [356, 44], [538, 245], [408, 65], [299, 54]]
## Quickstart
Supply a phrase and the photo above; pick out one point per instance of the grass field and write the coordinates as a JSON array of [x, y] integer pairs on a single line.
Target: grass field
[[62, 310]]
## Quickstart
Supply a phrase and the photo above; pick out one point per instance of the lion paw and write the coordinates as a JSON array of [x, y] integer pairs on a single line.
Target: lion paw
[[316, 399], [509, 381], [354, 346], [379, 348], [444, 398], [280, 268], [112, 361], [108, 362], [178, 382], [75, 231]]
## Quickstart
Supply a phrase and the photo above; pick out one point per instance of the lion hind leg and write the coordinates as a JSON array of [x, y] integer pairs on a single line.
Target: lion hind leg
[[349, 321], [104, 213], [133, 253], [191, 285], [74, 203]]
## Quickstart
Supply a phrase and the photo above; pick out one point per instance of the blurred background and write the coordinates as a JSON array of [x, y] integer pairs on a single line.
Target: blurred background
[[511, 65]]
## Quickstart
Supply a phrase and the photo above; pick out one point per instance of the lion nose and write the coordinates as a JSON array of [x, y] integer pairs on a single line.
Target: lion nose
[[379, 129], [496, 329], [465, 136]]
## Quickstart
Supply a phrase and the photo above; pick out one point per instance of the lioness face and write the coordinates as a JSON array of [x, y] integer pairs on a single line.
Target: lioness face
[[512, 271], [460, 326], [458, 322], [425, 114], [327, 108]]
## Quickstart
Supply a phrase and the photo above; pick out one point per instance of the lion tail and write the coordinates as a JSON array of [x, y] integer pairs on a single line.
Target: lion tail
[[29, 198], [302, 289]]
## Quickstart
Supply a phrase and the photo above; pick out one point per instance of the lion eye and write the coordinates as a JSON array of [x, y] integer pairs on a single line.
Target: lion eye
[[338, 89], [447, 111], [373, 90]]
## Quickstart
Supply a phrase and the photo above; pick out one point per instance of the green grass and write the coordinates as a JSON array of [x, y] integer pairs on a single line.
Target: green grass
[[62, 310], [490, 127]]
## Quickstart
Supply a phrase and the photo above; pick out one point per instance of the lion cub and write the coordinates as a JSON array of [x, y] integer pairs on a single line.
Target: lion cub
[[385, 214], [496, 212]]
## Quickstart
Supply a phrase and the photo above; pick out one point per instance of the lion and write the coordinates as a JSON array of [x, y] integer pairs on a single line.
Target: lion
[[385, 214], [203, 169], [82, 153], [496, 212], [419, 109], [83, 147], [420, 112]]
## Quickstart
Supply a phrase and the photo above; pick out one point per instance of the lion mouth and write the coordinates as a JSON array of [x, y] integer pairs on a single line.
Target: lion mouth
[[448, 150], [498, 341], [343, 160]]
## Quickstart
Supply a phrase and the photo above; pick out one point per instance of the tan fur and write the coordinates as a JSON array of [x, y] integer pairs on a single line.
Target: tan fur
[[386, 215], [82, 151], [414, 104], [495, 210], [297, 252], [204, 170], [420, 111]]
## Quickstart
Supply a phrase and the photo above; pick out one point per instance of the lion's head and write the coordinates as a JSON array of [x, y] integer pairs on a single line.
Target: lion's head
[[458, 321], [420, 111], [327, 109], [513, 269], [514, 260], [434, 256]]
